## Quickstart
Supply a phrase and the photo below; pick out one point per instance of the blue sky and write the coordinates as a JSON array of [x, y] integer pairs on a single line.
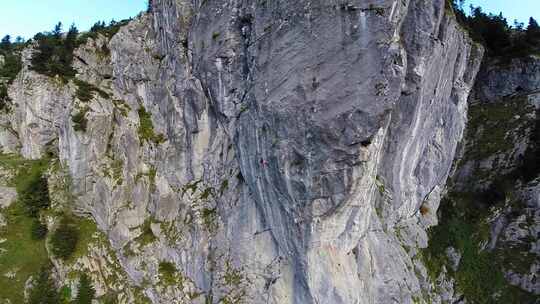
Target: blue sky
[[28, 17], [511, 9]]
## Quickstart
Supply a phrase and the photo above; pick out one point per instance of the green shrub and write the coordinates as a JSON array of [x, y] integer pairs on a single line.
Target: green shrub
[[86, 291], [64, 239], [38, 231], [147, 236], [463, 226], [85, 91], [146, 128], [12, 66], [43, 290], [4, 97], [79, 120], [34, 193], [65, 294], [167, 272]]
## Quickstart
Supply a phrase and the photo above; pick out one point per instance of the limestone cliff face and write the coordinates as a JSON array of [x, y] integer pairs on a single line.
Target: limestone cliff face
[[273, 151]]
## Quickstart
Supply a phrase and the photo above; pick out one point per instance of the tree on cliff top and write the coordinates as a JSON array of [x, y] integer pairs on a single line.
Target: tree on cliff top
[[54, 53], [5, 44], [494, 32], [532, 33]]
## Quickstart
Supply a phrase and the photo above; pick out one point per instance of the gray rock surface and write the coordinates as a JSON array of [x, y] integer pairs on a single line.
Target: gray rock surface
[[7, 196], [297, 148], [500, 79]]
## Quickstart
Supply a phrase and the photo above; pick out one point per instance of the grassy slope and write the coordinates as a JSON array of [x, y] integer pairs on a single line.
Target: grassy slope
[[19, 252]]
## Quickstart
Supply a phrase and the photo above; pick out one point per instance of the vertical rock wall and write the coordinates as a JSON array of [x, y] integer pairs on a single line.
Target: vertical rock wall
[[291, 144]]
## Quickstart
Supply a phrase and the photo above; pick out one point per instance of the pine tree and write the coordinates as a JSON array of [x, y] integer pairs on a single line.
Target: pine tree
[[43, 290], [5, 44], [4, 97], [86, 291], [97, 26], [34, 195], [57, 31], [64, 239], [43, 54], [38, 230], [71, 38], [532, 34], [65, 53]]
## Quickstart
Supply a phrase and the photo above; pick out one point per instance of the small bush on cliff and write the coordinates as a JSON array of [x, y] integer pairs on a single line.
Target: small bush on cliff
[[43, 290], [64, 239], [79, 120], [4, 97], [147, 236], [86, 291], [86, 91], [33, 192], [146, 128], [38, 230], [167, 272]]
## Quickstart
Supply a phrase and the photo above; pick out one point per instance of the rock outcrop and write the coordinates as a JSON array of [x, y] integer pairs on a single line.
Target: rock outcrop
[[269, 152]]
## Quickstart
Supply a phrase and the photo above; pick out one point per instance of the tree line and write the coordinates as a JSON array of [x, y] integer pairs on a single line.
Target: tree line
[[53, 54], [499, 37]]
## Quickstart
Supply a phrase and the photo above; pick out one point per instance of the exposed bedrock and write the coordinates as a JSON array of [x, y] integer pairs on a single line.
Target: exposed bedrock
[[292, 144]]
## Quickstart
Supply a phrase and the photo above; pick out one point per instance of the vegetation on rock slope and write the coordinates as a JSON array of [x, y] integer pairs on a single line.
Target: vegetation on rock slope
[[54, 51], [10, 52], [22, 255], [23, 252], [464, 214], [26, 245]]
